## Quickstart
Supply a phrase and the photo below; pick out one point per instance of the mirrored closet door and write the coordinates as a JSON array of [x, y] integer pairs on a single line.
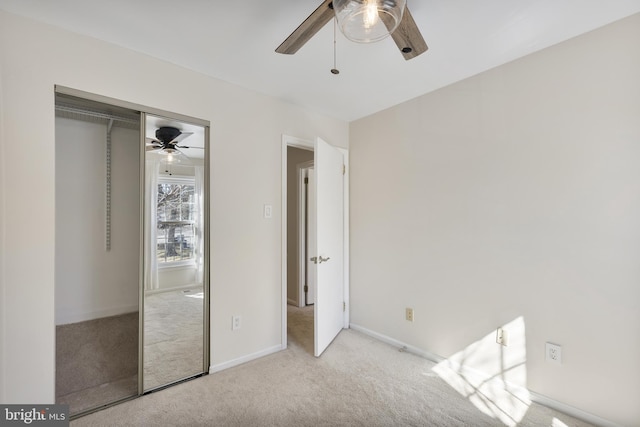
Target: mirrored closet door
[[132, 281], [174, 291]]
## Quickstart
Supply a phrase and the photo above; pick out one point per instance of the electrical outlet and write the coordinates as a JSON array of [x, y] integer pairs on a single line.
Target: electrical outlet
[[236, 322], [409, 314], [501, 336], [553, 353]]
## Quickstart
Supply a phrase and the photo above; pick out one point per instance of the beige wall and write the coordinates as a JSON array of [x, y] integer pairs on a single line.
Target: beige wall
[[515, 193], [295, 156], [246, 249]]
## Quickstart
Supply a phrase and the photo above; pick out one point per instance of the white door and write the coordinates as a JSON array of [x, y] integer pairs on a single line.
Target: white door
[[329, 237]]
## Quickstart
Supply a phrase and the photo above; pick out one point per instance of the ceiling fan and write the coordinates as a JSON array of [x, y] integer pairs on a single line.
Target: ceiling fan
[[406, 36], [166, 142]]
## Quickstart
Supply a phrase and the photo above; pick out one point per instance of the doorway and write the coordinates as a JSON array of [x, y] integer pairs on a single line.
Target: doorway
[[299, 165], [300, 265]]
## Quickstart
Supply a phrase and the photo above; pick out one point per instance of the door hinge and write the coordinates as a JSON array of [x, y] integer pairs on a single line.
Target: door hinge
[[344, 169], [344, 306], [306, 180], [306, 288]]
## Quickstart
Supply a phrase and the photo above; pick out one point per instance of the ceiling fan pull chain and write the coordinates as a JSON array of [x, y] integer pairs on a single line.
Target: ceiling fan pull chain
[[334, 70]]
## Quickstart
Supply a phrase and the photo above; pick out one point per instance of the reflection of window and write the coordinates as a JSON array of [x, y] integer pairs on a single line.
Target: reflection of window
[[176, 221]]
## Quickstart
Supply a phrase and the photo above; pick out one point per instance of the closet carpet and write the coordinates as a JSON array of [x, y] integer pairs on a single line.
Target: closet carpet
[[358, 381], [96, 361]]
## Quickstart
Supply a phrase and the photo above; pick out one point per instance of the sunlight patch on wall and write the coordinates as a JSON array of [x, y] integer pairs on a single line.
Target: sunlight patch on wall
[[491, 376]]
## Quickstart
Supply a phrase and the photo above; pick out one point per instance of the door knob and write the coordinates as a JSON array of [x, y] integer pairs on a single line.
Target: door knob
[[321, 260]]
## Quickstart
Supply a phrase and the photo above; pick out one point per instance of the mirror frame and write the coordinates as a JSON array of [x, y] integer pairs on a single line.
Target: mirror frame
[[206, 244]]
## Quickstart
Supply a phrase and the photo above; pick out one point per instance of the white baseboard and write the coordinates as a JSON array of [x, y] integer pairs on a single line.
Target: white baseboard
[[176, 288], [535, 397], [83, 316], [394, 342], [244, 359], [570, 410], [292, 302]]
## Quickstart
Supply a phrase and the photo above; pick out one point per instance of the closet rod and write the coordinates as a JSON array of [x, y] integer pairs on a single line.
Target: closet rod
[[97, 114]]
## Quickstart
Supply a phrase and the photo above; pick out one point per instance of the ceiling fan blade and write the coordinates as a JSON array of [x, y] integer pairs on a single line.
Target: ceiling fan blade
[[407, 37], [184, 146], [152, 144], [318, 19], [181, 137]]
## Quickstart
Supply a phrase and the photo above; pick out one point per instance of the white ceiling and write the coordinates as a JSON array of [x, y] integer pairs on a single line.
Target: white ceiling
[[235, 40]]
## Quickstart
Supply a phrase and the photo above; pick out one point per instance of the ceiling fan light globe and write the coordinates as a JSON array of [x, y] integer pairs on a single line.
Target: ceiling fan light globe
[[170, 155], [368, 21]]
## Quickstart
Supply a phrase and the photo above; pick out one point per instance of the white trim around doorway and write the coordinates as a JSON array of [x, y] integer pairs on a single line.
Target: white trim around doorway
[[291, 141]]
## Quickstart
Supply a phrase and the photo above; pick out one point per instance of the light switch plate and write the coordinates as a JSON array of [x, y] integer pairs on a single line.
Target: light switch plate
[[268, 211]]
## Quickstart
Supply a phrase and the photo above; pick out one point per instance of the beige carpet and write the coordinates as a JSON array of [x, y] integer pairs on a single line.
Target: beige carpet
[[358, 381], [97, 361], [173, 337]]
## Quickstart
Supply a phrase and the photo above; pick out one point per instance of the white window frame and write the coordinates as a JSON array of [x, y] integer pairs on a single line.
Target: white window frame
[[180, 180]]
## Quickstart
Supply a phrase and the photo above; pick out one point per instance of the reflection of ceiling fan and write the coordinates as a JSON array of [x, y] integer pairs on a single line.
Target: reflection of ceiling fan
[[167, 139], [406, 36]]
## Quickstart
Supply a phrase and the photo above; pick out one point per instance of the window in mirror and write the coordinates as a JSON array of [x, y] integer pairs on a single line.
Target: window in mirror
[[176, 221]]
